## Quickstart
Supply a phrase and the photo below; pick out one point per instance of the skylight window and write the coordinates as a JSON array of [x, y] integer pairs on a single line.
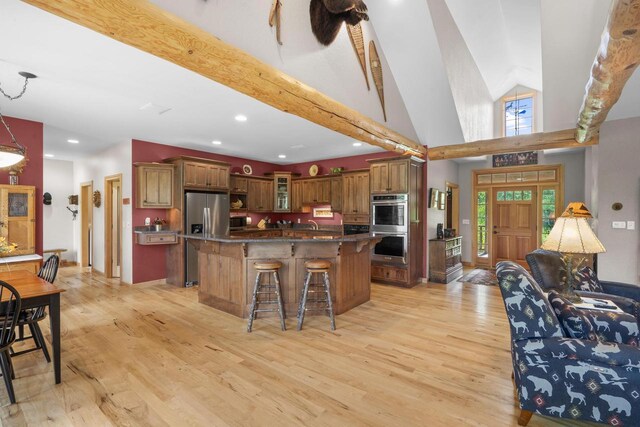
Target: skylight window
[[518, 115]]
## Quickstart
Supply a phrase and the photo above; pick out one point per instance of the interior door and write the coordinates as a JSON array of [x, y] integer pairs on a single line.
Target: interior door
[[514, 224], [116, 223]]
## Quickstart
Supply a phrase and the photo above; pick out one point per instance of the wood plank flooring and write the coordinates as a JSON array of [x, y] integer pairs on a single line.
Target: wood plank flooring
[[150, 355]]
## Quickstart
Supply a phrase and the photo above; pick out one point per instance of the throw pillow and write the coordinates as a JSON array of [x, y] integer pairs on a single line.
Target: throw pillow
[[574, 322], [587, 280]]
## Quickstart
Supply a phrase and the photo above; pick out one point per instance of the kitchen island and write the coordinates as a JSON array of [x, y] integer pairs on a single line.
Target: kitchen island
[[227, 274]]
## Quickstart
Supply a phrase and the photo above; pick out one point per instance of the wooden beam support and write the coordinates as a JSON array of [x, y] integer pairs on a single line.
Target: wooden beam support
[[512, 144], [617, 59], [140, 24]]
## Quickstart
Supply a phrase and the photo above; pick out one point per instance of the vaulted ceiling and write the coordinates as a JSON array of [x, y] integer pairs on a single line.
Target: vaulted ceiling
[[92, 88]]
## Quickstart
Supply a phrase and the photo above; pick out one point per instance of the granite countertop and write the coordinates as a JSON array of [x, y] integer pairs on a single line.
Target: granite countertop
[[151, 230], [241, 239]]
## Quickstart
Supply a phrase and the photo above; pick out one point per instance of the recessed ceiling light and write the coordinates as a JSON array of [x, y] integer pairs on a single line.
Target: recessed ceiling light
[[241, 118], [216, 142], [49, 155], [357, 144], [282, 156], [73, 141]]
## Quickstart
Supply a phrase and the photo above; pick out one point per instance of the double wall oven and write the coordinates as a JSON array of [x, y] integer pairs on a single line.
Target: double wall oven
[[390, 220]]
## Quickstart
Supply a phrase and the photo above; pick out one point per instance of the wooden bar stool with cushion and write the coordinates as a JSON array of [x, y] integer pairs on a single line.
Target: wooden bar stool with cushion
[[321, 268], [270, 290]]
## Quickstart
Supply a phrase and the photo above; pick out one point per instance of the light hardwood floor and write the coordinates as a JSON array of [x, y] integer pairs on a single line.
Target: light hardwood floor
[[151, 355]]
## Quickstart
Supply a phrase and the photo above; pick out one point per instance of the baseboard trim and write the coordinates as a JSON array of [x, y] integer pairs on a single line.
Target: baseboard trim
[[152, 282]]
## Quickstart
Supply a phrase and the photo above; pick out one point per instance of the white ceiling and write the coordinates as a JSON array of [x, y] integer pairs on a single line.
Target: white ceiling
[[91, 88], [504, 38]]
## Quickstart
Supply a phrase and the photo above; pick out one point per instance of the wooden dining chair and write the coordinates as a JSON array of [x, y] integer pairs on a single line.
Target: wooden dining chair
[[31, 316], [10, 305]]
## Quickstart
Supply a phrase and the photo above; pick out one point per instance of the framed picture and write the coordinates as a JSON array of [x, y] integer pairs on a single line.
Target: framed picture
[[322, 212], [433, 198], [443, 200], [515, 159]]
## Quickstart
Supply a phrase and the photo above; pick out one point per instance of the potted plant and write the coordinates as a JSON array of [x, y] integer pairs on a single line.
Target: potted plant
[[159, 223]]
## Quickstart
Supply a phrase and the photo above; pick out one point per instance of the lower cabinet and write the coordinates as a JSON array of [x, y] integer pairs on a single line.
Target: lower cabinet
[[390, 274]]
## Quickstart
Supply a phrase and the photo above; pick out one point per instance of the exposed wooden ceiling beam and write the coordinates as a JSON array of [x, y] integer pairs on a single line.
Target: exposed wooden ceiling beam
[[617, 59], [140, 24], [512, 144]]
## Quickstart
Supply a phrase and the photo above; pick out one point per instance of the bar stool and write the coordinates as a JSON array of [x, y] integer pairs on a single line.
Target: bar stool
[[267, 267], [317, 267]]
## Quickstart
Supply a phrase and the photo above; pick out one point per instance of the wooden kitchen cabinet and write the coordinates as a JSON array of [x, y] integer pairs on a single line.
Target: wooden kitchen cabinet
[[238, 184], [260, 195], [355, 197], [154, 185], [336, 194], [18, 217], [209, 176], [389, 176], [296, 196]]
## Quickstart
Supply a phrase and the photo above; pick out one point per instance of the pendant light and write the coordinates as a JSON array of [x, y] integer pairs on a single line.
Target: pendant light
[[13, 153]]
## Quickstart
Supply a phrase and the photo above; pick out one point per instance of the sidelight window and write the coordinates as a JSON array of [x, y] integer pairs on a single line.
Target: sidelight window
[[548, 206], [482, 215]]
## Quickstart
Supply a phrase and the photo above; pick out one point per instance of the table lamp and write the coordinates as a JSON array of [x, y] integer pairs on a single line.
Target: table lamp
[[570, 235]]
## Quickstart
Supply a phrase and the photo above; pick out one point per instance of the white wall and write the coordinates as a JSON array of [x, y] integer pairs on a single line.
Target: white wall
[[333, 70], [438, 173], [618, 180], [473, 101], [57, 221], [114, 160], [574, 178]]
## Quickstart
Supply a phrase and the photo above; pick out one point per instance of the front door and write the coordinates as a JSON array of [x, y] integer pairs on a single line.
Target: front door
[[514, 223]]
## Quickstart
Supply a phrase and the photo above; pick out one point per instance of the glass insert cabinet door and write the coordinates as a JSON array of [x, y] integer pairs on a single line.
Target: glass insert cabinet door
[[17, 218], [282, 193]]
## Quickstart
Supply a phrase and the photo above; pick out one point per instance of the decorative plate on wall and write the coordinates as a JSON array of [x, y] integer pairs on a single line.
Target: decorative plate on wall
[[247, 170], [313, 170]]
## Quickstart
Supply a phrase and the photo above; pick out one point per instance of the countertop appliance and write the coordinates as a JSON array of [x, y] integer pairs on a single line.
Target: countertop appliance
[[205, 213], [350, 229], [237, 222], [389, 213]]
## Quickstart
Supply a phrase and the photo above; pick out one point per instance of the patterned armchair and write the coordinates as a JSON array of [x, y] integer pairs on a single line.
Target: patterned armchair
[[547, 268], [556, 375]]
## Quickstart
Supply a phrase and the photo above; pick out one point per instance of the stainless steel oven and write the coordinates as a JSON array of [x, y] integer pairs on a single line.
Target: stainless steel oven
[[389, 213], [391, 249]]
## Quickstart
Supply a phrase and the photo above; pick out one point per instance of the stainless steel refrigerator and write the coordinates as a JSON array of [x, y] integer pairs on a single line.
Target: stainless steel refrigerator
[[205, 213]]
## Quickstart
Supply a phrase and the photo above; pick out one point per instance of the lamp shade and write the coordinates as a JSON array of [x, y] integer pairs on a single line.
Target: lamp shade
[[574, 236], [9, 156]]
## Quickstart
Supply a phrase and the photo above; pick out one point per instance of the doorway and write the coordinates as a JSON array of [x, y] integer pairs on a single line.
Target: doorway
[[513, 211], [113, 225], [514, 223], [86, 223]]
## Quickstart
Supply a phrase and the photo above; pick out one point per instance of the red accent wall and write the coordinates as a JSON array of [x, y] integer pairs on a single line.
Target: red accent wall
[[29, 134], [144, 270]]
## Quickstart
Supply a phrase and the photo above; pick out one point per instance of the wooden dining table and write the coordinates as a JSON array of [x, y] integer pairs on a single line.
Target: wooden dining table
[[36, 292]]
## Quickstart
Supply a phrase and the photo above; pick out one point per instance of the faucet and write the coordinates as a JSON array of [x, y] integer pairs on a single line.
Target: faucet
[[315, 224]]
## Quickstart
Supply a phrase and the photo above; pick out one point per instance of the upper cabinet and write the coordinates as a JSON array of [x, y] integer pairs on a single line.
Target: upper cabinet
[[238, 184], [336, 194], [260, 195], [18, 218], [282, 191], [389, 176], [355, 197], [154, 185], [206, 175]]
